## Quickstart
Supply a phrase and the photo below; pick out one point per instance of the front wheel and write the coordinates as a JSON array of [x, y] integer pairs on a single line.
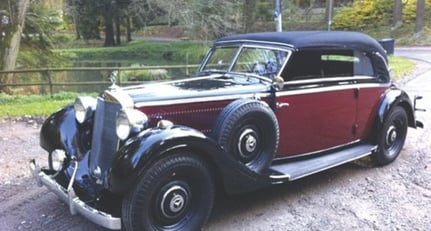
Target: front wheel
[[392, 136], [175, 193]]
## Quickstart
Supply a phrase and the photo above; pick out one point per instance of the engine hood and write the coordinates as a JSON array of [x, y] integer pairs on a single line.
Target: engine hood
[[199, 87]]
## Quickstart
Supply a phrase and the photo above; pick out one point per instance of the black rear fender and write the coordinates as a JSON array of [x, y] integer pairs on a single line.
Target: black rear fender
[[393, 97]]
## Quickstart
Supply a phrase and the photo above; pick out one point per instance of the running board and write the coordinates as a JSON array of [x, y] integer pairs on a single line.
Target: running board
[[297, 169]]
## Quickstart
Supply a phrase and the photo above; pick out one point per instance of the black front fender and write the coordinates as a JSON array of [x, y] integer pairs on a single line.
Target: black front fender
[[140, 152], [61, 131]]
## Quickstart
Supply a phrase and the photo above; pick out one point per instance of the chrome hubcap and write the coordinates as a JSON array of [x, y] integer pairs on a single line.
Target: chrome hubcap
[[174, 202], [247, 143], [391, 135]]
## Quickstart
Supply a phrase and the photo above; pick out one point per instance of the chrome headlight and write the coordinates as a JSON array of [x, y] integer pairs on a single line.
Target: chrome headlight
[[58, 157], [84, 106], [130, 120]]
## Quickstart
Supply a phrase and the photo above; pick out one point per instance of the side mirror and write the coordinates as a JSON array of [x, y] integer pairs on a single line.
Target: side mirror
[[278, 82]]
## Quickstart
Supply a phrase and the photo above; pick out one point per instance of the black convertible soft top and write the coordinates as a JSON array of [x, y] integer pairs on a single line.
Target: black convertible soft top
[[311, 39]]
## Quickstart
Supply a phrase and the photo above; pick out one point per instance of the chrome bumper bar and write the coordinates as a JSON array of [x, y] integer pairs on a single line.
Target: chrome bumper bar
[[75, 204]]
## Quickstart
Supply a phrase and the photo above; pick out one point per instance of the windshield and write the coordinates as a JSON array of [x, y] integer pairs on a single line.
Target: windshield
[[263, 61]]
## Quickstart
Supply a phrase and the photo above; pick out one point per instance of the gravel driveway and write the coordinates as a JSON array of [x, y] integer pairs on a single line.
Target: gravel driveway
[[350, 197]]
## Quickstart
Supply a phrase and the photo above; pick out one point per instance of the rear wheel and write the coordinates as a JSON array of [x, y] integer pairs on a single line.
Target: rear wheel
[[392, 136], [175, 193]]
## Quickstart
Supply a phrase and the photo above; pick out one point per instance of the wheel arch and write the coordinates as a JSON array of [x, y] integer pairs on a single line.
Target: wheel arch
[[391, 98], [61, 131], [138, 154]]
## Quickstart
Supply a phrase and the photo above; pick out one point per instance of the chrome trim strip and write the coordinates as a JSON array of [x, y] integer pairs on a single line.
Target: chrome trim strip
[[318, 89], [202, 99], [332, 79], [75, 204], [219, 43]]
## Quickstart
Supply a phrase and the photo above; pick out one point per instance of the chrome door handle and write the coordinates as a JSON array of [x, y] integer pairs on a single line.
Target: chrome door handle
[[281, 105]]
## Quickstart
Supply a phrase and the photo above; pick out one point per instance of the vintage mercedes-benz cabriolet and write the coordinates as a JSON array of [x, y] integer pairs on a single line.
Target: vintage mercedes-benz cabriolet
[[265, 108]]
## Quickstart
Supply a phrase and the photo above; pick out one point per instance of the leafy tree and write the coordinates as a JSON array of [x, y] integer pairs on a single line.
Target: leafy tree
[[38, 36], [209, 19], [13, 25], [249, 15], [35, 25], [86, 17]]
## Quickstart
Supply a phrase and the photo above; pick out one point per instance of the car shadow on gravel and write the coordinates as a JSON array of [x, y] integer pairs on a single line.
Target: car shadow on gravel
[[293, 197]]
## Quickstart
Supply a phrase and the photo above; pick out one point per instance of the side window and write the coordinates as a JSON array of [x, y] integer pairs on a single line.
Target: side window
[[362, 64], [337, 64], [302, 65], [326, 64]]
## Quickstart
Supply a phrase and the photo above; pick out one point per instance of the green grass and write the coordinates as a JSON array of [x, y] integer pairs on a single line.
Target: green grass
[[400, 67], [35, 105]]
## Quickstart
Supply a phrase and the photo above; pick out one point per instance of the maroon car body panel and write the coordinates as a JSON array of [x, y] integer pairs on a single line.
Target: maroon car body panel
[[315, 121]]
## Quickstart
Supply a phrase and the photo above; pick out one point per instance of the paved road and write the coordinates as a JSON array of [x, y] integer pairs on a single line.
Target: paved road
[[420, 85], [416, 53]]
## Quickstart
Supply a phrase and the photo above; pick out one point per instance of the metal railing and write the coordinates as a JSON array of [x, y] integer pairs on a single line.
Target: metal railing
[[47, 79]]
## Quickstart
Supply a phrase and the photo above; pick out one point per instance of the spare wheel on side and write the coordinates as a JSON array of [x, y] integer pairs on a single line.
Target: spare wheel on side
[[248, 130]]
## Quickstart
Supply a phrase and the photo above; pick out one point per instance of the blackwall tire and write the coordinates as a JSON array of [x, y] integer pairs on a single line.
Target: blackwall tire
[[175, 193], [392, 136], [248, 130]]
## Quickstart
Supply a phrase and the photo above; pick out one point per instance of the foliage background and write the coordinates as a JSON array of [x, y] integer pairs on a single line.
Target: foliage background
[[106, 33]]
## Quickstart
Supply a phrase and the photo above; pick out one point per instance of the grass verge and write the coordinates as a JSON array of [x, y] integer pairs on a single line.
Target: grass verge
[[400, 67], [34, 105]]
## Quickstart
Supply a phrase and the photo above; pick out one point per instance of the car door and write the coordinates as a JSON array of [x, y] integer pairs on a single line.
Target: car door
[[317, 108], [373, 80]]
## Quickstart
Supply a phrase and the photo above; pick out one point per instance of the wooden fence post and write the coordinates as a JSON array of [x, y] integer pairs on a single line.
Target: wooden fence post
[[45, 74]]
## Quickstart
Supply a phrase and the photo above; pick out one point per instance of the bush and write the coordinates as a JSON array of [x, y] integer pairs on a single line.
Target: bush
[[362, 14], [144, 74]]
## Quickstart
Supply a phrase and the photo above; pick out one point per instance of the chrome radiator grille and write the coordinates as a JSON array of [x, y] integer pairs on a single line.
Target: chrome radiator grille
[[104, 141]]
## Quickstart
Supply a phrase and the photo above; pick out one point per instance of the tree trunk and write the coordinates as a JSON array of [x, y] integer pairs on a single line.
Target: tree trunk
[[398, 14], [420, 15], [13, 40], [109, 25], [118, 30], [128, 29]]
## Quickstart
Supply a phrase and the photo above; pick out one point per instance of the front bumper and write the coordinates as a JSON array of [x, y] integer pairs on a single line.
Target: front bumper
[[69, 197]]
